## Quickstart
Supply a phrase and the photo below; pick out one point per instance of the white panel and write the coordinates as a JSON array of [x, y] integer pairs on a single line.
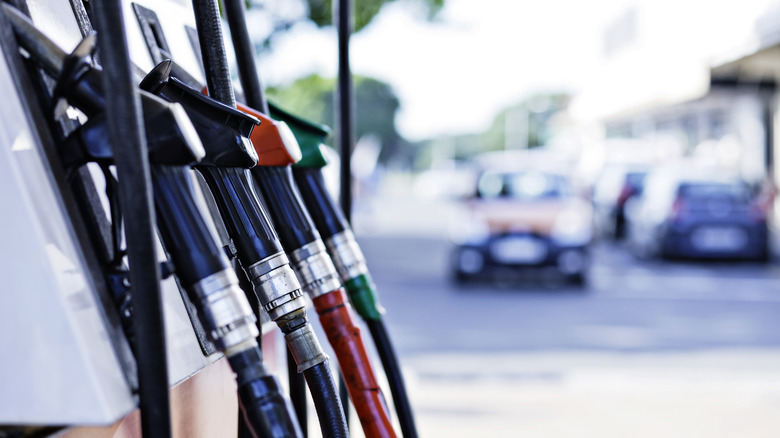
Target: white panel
[[58, 363]]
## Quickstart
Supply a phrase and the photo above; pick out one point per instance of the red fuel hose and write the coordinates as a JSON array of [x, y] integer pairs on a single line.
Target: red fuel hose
[[344, 337]]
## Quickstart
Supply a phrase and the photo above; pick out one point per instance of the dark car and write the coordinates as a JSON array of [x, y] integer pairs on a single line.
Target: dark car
[[523, 221], [696, 215]]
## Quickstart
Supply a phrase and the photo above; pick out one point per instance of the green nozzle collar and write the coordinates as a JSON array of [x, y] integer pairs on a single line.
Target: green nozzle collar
[[310, 136], [362, 295]]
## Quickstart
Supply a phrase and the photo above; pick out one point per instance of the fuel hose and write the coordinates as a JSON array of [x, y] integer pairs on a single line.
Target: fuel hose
[[200, 264], [345, 253]]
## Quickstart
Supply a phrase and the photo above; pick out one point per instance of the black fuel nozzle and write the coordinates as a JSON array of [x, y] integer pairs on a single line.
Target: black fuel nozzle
[[223, 130], [170, 136], [224, 133]]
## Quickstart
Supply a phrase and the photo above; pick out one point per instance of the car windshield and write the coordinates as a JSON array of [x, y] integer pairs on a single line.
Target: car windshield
[[525, 185]]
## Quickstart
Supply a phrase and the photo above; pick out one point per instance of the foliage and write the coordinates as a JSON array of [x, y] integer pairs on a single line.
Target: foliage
[[376, 104], [320, 11]]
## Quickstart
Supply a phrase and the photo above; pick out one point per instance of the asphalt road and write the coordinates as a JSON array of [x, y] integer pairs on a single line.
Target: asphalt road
[[647, 349]]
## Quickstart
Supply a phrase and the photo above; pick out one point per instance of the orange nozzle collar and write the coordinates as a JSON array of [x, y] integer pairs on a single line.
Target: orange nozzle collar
[[274, 143], [268, 138]]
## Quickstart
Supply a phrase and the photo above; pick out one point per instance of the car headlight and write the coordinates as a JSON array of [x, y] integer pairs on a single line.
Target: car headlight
[[572, 228]]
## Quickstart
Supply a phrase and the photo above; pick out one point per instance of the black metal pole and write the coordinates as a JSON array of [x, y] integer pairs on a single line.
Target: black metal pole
[[344, 115], [345, 136], [135, 195]]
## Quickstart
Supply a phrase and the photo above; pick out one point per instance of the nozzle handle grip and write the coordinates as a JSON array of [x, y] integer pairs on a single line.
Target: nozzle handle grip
[[327, 215], [245, 218], [345, 338], [267, 412], [288, 211], [186, 237]]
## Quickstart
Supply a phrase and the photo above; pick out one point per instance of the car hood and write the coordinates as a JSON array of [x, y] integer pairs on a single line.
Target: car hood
[[503, 216]]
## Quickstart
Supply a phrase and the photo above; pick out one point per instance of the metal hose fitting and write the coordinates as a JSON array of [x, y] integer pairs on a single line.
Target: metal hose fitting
[[315, 269], [346, 255], [305, 347], [280, 295], [277, 286], [226, 312]]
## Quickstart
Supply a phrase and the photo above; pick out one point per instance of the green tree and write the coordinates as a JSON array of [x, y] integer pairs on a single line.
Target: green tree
[[320, 11], [283, 15], [376, 105]]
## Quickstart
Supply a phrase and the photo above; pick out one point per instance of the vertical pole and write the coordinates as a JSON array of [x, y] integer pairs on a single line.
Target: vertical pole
[[343, 16], [344, 99], [128, 139]]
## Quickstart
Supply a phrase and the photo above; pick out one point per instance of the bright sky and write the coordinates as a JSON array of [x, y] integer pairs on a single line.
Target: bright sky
[[454, 75]]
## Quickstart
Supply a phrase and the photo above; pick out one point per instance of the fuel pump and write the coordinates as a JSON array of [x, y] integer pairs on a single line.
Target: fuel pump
[[278, 151], [201, 265], [345, 252]]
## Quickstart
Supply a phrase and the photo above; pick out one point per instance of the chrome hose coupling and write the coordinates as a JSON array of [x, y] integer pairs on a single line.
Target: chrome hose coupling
[[346, 255], [225, 311], [276, 286], [315, 269], [305, 347]]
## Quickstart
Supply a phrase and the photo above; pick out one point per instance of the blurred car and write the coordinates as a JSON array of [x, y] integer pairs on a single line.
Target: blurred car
[[523, 219], [616, 185], [697, 213]]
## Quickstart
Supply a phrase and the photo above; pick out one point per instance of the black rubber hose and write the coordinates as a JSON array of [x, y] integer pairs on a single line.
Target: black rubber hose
[[245, 56], [213, 54], [298, 393], [326, 401], [263, 406], [394, 377], [135, 195]]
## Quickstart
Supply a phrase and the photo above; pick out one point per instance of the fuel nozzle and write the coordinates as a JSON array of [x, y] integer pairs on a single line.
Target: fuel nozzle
[[224, 129], [278, 149], [224, 132], [328, 217]]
